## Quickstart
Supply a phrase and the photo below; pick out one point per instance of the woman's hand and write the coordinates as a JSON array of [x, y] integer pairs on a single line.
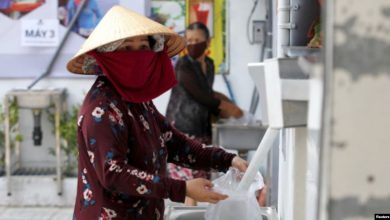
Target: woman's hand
[[229, 109], [239, 163], [199, 189]]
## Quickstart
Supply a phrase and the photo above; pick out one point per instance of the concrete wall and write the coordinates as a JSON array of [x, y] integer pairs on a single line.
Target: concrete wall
[[356, 143]]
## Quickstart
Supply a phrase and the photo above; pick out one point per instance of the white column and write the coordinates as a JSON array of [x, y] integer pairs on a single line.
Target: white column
[[283, 19]]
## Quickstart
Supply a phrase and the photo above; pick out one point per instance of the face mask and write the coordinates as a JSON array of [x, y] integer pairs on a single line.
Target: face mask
[[197, 50], [138, 76]]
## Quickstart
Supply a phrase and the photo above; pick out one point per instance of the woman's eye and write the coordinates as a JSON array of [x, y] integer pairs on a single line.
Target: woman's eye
[[144, 47]]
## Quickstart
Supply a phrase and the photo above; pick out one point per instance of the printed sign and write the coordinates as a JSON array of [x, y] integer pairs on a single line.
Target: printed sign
[[40, 32]]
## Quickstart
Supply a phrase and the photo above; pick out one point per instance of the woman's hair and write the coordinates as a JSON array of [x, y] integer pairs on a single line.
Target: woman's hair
[[152, 41], [199, 26]]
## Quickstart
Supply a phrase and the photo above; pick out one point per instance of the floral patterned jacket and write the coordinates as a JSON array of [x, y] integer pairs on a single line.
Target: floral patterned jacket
[[123, 152]]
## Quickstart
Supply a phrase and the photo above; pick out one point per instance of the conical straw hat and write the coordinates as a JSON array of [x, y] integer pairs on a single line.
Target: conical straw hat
[[120, 23]]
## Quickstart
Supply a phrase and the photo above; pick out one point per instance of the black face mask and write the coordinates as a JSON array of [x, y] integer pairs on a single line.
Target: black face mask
[[197, 50]]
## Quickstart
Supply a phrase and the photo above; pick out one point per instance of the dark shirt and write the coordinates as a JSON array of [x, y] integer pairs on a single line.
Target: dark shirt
[[192, 102], [123, 151]]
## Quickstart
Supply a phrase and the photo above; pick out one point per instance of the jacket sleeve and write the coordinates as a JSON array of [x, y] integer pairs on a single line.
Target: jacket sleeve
[[189, 81], [190, 153], [106, 136]]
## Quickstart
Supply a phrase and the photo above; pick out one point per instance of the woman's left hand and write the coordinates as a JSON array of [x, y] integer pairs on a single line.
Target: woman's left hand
[[239, 163]]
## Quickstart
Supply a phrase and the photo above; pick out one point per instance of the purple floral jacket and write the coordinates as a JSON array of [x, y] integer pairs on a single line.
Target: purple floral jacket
[[123, 152]]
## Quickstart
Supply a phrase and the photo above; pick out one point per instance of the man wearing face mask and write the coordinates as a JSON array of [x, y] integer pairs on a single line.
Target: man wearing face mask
[[193, 100]]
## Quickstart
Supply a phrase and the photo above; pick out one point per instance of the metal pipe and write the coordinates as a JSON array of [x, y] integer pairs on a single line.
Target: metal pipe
[[7, 144], [254, 101], [17, 149], [58, 144], [283, 39], [229, 87], [283, 32], [225, 69], [327, 101], [267, 48], [37, 132], [227, 37], [57, 52]]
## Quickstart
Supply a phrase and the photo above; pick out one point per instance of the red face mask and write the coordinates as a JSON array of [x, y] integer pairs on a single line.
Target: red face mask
[[197, 50], [138, 76]]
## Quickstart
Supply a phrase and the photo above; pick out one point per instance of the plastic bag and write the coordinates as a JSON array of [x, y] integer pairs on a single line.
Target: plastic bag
[[240, 205]]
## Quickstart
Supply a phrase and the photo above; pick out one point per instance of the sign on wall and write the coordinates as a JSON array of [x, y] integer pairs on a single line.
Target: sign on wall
[[40, 32]]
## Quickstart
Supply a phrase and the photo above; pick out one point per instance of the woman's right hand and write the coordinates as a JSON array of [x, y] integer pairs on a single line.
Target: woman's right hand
[[229, 109], [199, 189]]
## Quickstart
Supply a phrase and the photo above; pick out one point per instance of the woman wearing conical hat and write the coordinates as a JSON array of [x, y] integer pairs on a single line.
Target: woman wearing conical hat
[[124, 142]]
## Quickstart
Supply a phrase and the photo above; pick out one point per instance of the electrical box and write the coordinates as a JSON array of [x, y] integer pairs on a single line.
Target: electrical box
[[258, 31]]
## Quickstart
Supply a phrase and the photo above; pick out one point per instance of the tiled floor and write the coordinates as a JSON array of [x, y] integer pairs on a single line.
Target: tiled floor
[[33, 213]]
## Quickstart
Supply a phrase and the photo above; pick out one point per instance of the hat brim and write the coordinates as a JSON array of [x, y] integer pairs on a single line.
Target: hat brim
[[120, 23], [174, 45]]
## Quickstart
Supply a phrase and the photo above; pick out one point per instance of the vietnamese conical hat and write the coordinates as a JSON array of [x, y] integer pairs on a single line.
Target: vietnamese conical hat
[[121, 23]]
